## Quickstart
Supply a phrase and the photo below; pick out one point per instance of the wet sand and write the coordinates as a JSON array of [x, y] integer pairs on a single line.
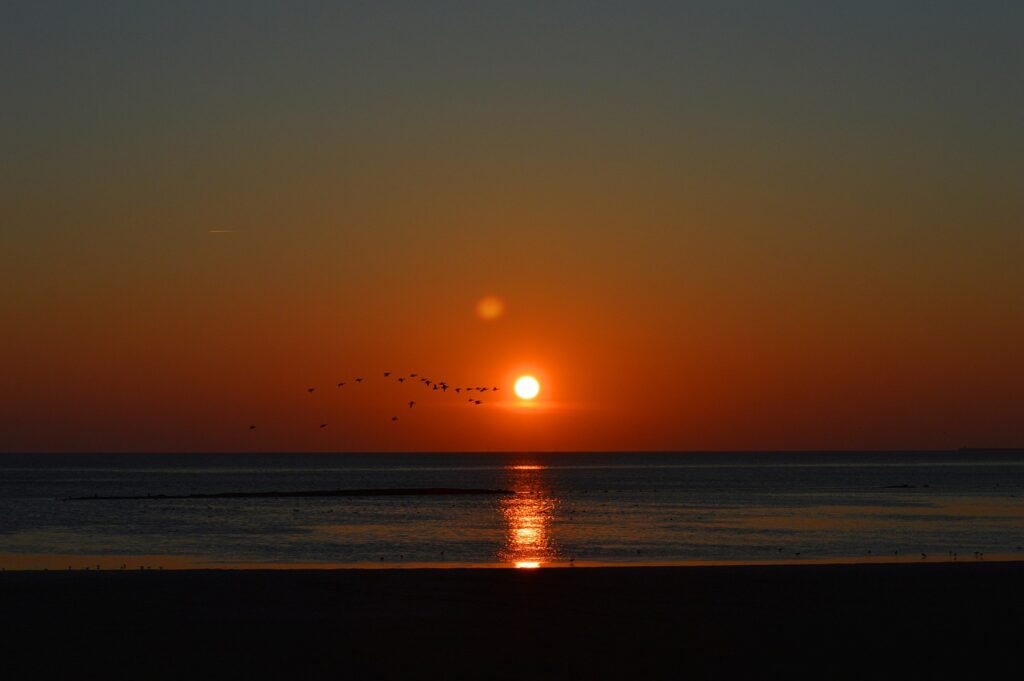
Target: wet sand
[[821, 621]]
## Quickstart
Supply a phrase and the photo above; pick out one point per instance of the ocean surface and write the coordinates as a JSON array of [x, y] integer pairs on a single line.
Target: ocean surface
[[564, 509]]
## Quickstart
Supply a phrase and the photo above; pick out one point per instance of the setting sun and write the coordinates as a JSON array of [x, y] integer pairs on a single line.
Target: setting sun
[[527, 387]]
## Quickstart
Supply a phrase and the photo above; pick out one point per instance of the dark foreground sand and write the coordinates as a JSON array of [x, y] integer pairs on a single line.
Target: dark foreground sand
[[815, 621]]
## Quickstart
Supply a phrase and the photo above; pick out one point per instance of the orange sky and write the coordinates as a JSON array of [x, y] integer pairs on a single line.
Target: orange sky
[[699, 247]]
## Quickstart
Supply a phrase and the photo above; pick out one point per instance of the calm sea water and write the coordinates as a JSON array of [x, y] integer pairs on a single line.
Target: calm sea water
[[628, 508]]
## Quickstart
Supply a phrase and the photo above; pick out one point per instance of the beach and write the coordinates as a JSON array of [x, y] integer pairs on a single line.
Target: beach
[[929, 620]]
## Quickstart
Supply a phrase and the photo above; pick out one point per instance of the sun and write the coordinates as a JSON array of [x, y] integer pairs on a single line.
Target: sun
[[527, 387]]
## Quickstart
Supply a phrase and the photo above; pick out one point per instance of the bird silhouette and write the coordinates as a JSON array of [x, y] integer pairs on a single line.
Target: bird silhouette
[[386, 374], [394, 418], [341, 384], [401, 380], [252, 427], [411, 404], [323, 425], [477, 402], [309, 390], [458, 390], [359, 380]]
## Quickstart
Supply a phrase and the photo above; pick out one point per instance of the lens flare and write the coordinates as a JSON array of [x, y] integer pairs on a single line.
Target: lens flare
[[490, 308]]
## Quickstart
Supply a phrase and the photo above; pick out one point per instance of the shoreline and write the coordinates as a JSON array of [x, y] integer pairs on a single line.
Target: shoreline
[[167, 563]]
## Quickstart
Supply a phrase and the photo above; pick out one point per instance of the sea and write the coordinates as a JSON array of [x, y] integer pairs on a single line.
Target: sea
[[551, 510]]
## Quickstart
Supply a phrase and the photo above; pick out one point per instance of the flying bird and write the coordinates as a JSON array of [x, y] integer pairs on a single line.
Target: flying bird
[[476, 402], [401, 379], [323, 425], [386, 374], [359, 380]]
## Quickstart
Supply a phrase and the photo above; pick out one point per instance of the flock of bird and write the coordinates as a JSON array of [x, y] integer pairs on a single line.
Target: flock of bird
[[441, 386]]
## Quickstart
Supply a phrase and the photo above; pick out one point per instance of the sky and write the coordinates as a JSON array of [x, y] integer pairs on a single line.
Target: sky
[[712, 225]]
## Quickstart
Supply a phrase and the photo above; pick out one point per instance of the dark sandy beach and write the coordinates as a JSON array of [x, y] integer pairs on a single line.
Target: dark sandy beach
[[822, 621]]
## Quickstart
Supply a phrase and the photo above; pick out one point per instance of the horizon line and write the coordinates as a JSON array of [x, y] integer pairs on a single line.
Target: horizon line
[[524, 452]]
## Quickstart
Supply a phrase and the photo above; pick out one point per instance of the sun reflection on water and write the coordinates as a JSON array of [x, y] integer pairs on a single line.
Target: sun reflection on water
[[528, 539]]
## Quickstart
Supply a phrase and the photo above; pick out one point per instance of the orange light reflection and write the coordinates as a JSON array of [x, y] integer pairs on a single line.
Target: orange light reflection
[[528, 539]]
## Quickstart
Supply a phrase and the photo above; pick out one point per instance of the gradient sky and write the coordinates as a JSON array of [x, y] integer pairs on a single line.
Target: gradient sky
[[715, 225]]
